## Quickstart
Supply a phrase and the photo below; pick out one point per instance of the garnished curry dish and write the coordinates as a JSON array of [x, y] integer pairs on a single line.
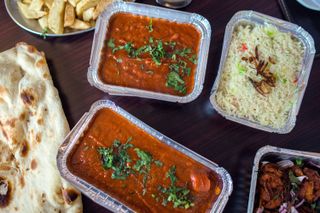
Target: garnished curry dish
[[140, 171], [150, 54], [289, 186]]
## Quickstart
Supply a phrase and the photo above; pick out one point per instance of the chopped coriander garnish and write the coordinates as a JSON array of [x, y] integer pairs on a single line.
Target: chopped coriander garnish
[[117, 158], [187, 71], [299, 162], [157, 53], [144, 162], [176, 82], [111, 43], [193, 59], [158, 163], [171, 44], [143, 165], [294, 180], [184, 52], [179, 196], [171, 174], [174, 68], [150, 26]]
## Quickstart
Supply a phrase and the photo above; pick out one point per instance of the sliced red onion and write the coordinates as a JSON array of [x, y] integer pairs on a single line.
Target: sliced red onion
[[294, 210], [292, 193], [301, 178], [284, 164], [300, 203], [283, 208], [260, 210]]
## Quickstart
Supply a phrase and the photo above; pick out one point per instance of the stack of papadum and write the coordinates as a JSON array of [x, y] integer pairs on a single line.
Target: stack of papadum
[[62, 15], [32, 126]]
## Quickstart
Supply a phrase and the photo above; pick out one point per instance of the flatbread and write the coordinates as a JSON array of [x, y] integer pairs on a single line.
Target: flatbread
[[32, 126]]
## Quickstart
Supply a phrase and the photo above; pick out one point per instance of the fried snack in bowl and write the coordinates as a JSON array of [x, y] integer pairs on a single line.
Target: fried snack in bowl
[[60, 17]]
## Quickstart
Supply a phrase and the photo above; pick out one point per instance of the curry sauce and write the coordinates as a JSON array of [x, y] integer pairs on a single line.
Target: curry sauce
[[150, 54], [154, 176]]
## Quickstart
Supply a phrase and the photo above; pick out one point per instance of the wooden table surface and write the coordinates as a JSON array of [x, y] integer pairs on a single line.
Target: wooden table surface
[[195, 125]]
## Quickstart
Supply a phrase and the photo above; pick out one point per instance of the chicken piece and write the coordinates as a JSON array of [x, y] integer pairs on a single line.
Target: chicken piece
[[271, 186], [272, 168], [200, 181], [310, 188], [297, 171]]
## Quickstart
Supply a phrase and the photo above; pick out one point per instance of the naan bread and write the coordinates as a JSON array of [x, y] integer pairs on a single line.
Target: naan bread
[[32, 126]]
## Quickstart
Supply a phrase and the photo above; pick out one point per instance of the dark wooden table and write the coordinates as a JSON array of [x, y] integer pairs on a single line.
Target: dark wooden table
[[195, 125]]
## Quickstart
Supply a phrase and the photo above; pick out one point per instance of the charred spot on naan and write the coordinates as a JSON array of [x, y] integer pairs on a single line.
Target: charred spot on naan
[[5, 153], [5, 192], [38, 137], [69, 195], [40, 63], [40, 121], [4, 133], [31, 49], [11, 122], [28, 97], [24, 148], [33, 164], [22, 116], [21, 181]]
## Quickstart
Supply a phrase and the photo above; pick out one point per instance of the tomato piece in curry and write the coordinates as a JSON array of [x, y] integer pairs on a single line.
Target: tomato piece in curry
[[150, 54], [140, 171]]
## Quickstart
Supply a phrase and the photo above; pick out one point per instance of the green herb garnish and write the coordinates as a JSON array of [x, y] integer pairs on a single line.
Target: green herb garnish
[[157, 53], [171, 44], [117, 158], [150, 26], [284, 80], [111, 43], [158, 163], [241, 68], [179, 196], [193, 59], [294, 181], [143, 165], [176, 82], [184, 52], [299, 162]]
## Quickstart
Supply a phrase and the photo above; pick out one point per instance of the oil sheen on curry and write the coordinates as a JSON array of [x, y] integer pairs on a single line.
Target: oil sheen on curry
[[150, 54], [140, 171]]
